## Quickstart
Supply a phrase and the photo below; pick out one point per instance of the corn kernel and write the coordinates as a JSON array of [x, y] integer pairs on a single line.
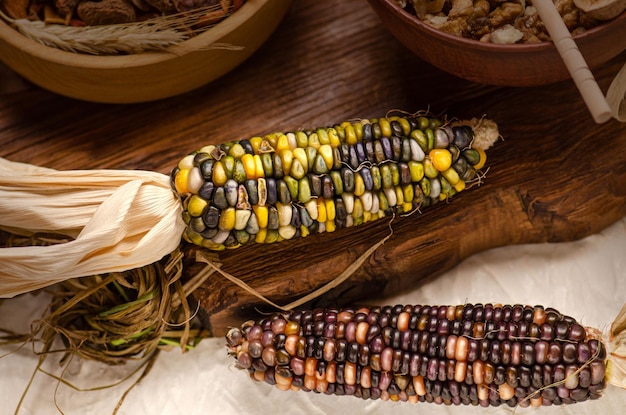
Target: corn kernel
[[262, 215], [259, 169], [314, 141], [249, 166], [219, 173], [282, 143], [321, 210], [441, 158], [196, 205], [385, 127], [483, 159], [186, 163], [181, 181]]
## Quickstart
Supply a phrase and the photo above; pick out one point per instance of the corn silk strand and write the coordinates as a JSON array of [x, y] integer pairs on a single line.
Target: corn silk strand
[[115, 219]]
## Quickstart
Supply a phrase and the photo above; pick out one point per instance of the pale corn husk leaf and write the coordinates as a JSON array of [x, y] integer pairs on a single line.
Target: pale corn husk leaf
[[616, 95], [157, 34], [116, 220], [617, 350]]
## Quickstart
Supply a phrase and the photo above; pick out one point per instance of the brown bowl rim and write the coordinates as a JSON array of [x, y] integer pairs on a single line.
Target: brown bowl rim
[[197, 43], [488, 46]]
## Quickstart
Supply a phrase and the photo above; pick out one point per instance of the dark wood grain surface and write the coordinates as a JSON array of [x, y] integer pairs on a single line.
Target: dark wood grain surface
[[555, 175]]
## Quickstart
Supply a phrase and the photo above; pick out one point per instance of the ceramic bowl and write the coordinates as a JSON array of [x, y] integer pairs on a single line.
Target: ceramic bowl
[[144, 76], [498, 64]]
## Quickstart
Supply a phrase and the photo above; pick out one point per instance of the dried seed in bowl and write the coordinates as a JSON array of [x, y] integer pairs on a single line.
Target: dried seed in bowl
[[496, 22]]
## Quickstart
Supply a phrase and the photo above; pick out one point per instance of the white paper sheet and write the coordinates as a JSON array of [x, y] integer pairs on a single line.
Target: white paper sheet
[[585, 279]]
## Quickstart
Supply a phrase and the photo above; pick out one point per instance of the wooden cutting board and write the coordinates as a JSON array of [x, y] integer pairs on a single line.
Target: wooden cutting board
[[527, 197], [555, 175]]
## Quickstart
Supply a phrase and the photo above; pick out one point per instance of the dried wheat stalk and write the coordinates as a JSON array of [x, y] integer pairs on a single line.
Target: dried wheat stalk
[[151, 35]]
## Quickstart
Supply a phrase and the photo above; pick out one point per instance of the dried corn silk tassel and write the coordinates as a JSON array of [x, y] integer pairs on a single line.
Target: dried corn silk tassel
[[264, 189], [480, 354]]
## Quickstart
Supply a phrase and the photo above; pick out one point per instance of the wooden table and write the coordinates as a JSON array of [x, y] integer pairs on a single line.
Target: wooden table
[[555, 176]]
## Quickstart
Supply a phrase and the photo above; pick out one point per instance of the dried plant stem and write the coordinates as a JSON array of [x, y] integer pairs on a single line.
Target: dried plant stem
[[156, 34], [111, 318], [201, 256]]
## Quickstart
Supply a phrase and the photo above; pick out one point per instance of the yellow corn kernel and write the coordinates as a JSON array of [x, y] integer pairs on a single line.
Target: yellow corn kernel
[[406, 126], [367, 216], [314, 141], [359, 185], [330, 209], [286, 156], [272, 139], [333, 137], [321, 209], [326, 151], [219, 173], [196, 205], [249, 166], [429, 170], [258, 166], [408, 193], [417, 171], [227, 219], [180, 181], [351, 138], [282, 143], [236, 151], [459, 186], [256, 142], [262, 215], [441, 158], [300, 155], [297, 170], [330, 226], [302, 140], [483, 159], [399, 195], [451, 175], [385, 127], [358, 130], [322, 134], [193, 237], [304, 231], [260, 236]]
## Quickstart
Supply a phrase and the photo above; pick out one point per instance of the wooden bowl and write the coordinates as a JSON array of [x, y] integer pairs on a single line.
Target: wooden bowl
[[144, 76], [496, 64]]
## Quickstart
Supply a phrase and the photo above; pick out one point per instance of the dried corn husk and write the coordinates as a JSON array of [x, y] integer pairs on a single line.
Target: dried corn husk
[[115, 219]]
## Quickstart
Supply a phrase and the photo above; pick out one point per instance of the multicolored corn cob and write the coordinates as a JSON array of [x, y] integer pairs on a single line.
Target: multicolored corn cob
[[486, 355], [282, 186]]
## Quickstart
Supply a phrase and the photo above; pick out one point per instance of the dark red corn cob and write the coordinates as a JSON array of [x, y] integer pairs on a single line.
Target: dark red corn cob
[[477, 354]]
